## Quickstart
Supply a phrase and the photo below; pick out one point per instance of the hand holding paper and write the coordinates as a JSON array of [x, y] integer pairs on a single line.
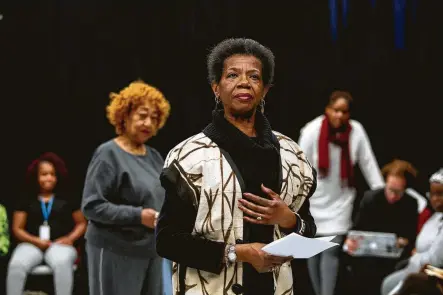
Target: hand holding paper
[[298, 246], [254, 255]]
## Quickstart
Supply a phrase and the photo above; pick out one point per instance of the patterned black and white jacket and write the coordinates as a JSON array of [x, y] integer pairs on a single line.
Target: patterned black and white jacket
[[202, 185]]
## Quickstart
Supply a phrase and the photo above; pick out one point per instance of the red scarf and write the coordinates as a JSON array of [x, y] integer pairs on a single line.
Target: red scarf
[[342, 140]]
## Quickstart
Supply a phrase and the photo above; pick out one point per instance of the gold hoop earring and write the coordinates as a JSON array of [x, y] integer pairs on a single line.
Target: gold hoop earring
[[217, 102]]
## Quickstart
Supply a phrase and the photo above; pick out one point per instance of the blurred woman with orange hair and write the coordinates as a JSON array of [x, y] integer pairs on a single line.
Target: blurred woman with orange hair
[[122, 196]]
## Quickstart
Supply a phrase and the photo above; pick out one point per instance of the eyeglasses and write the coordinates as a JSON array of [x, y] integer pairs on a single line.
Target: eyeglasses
[[396, 191]]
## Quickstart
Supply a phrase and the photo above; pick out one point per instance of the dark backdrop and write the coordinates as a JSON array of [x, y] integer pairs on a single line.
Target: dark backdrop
[[60, 59]]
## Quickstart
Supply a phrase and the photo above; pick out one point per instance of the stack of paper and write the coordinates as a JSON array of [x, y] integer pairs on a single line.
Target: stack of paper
[[298, 246]]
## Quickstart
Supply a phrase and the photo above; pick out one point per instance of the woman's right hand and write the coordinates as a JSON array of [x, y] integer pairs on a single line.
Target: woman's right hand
[[259, 259], [149, 217], [42, 244], [351, 245]]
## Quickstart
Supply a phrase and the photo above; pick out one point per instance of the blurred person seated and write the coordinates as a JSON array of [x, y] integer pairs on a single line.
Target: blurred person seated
[[4, 246], [46, 226], [4, 232], [429, 281], [429, 244], [387, 210]]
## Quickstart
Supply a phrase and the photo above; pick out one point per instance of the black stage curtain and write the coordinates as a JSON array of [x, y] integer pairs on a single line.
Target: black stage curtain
[[60, 59]]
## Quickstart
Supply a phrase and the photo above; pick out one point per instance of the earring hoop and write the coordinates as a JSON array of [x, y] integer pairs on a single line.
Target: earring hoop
[[262, 105], [217, 102]]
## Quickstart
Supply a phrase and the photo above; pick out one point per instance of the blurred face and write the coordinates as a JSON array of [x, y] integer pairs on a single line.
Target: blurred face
[[47, 178], [338, 112], [241, 85], [436, 195], [142, 123], [395, 188]]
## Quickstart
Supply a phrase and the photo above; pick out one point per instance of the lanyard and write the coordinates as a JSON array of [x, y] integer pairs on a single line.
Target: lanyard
[[46, 210]]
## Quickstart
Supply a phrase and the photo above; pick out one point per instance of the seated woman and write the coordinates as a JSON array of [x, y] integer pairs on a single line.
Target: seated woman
[[429, 242], [4, 232], [4, 246], [390, 210], [46, 226]]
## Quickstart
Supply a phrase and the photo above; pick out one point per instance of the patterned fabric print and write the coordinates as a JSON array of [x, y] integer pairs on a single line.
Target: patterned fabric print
[[216, 191], [4, 232]]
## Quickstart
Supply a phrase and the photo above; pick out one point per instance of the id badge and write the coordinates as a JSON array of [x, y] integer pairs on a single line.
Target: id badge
[[45, 232]]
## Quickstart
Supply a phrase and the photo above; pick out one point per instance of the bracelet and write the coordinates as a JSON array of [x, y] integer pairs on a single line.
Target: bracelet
[[156, 218]]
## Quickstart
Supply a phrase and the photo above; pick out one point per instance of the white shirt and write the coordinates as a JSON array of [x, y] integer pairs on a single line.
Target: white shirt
[[429, 244], [332, 204]]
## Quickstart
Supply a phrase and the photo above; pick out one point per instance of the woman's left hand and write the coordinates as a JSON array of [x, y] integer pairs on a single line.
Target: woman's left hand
[[267, 211]]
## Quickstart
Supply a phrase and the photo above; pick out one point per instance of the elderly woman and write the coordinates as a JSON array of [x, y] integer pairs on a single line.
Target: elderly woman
[[235, 187], [334, 143], [122, 196], [429, 244]]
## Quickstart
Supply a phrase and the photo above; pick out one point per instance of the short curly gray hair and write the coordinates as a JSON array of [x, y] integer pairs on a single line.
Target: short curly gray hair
[[242, 46]]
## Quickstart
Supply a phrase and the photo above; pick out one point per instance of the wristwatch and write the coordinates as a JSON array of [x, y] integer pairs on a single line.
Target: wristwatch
[[231, 256]]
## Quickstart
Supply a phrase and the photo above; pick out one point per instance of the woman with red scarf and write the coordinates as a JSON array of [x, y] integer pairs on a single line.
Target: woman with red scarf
[[334, 144]]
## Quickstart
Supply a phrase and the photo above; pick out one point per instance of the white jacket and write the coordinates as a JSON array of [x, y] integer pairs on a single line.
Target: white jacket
[[332, 204]]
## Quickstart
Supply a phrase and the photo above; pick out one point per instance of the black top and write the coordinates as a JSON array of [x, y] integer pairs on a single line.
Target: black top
[[376, 214], [257, 161], [60, 220]]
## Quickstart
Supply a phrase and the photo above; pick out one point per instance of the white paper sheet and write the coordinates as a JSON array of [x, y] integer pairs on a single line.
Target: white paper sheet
[[327, 239], [298, 246]]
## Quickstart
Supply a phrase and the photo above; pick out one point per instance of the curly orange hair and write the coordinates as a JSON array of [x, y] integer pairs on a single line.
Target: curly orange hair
[[129, 98]]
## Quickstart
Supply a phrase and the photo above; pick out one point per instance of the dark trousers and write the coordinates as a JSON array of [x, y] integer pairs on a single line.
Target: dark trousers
[[114, 274], [3, 270], [366, 274], [302, 282]]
